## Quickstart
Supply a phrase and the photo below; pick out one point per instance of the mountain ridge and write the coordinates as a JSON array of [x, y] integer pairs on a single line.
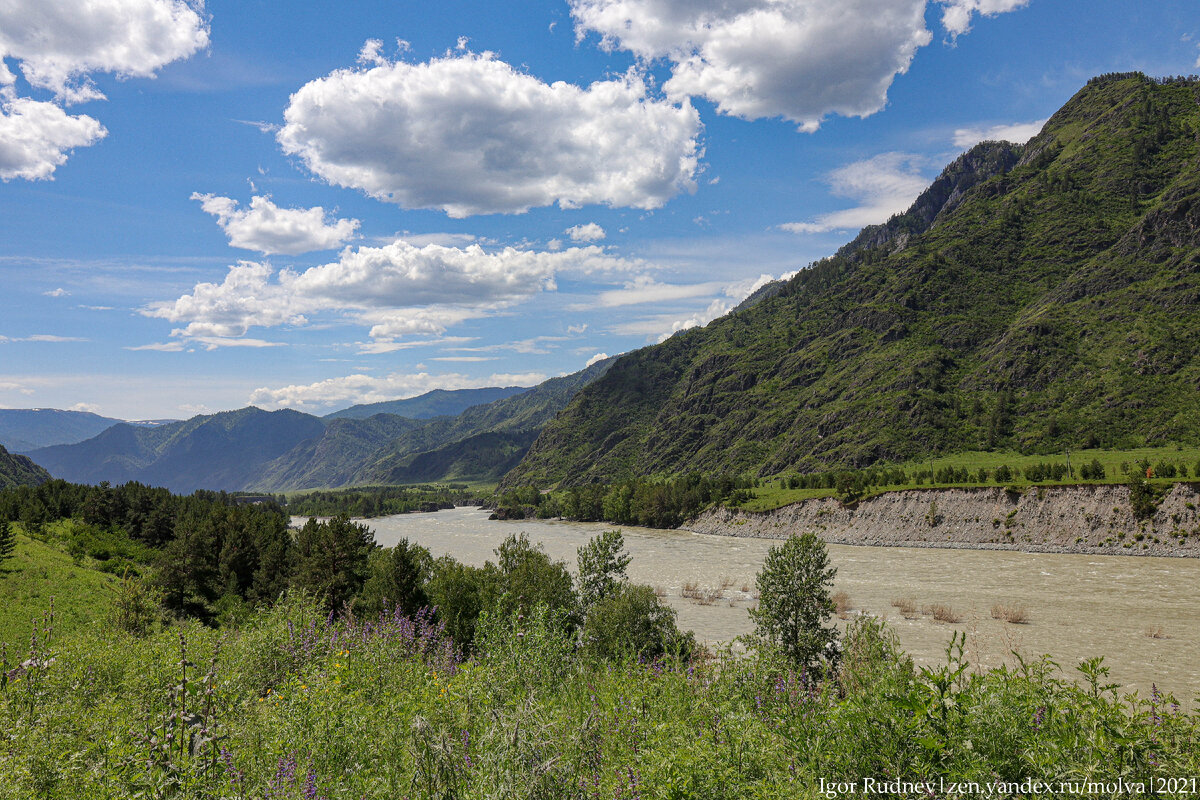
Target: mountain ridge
[[1035, 297]]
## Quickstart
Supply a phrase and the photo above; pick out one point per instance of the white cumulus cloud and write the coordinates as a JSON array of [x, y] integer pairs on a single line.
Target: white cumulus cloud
[[956, 16], [1017, 132], [591, 232], [57, 46], [468, 134], [596, 359], [884, 185], [35, 136], [361, 388], [398, 289], [797, 59], [269, 229]]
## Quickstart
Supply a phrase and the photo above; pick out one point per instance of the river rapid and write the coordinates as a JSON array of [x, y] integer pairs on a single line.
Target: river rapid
[[1141, 614]]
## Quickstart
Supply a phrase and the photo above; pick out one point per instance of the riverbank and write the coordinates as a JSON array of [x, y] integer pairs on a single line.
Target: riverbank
[[1088, 519]]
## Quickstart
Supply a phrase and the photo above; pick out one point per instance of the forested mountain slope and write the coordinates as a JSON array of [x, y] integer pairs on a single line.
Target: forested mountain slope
[[1036, 298], [18, 470]]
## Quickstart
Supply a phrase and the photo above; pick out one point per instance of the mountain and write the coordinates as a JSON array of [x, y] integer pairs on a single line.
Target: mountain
[[219, 451], [437, 403], [278, 451], [336, 456], [17, 470], [458, 440], [26, 429], [1034, 298]]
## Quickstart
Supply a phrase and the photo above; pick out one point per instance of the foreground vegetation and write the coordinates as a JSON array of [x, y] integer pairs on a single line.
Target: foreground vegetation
[[383, 673], [291, 704]]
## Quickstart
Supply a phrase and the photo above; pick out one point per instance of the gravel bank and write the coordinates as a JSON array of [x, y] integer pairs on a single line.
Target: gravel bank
[[1052, 519]]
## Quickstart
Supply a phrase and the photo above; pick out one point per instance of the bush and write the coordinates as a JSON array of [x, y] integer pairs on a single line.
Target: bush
[[631, 622]]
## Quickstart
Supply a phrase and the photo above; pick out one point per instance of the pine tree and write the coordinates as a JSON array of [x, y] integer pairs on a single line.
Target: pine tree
[[8, 540]]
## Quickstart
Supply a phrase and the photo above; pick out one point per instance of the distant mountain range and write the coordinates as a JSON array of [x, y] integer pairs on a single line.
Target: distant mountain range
[[1036, 297], [25, 429], [286, 450], [437, 403]]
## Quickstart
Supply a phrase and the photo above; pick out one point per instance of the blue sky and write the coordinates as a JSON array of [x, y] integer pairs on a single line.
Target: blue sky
[[317, 204]]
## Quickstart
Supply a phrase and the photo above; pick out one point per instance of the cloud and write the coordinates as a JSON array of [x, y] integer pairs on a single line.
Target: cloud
[[59, 292], [884, 185], [44, 338], [398, 289], [956, 17], [662, 326], [590, 232], [644, 289], [360, 388], [269, 229], [797, 59], [595, 359], [57, 46], [1017, 132], [36, 136], [468, 134]]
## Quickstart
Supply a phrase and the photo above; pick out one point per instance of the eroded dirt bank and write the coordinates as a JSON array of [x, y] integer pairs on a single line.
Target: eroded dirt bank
[[1052, 519]]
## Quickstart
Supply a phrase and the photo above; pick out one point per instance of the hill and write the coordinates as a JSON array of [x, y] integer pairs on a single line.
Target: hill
[[437, 403], [17, 470], [1035, 298], [26, 429]]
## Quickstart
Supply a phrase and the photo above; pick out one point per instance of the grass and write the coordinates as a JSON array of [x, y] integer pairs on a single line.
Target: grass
[[38, 571], [942, 612], [771, 495], [1017, 615], [288, 707]]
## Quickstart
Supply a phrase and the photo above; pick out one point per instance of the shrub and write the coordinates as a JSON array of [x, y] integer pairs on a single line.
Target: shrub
[[1017, 615], [631, 622]]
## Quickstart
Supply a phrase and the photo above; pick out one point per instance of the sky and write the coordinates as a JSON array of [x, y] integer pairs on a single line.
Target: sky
[[316, 204]]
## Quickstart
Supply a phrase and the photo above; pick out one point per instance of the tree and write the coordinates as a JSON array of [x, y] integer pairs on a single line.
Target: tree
[[602, 562], [529, 578], [794, 602], [397, 580], [8, 540], [333, 559]]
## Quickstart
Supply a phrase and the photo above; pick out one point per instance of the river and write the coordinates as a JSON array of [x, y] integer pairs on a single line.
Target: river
[[1142, 614]]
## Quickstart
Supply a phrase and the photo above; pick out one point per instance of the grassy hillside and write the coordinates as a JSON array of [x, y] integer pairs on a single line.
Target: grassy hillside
[[1035, 299], [38, 572]]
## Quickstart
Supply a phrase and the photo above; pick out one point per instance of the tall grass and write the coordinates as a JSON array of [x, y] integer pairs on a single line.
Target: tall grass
[[295, 704]]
